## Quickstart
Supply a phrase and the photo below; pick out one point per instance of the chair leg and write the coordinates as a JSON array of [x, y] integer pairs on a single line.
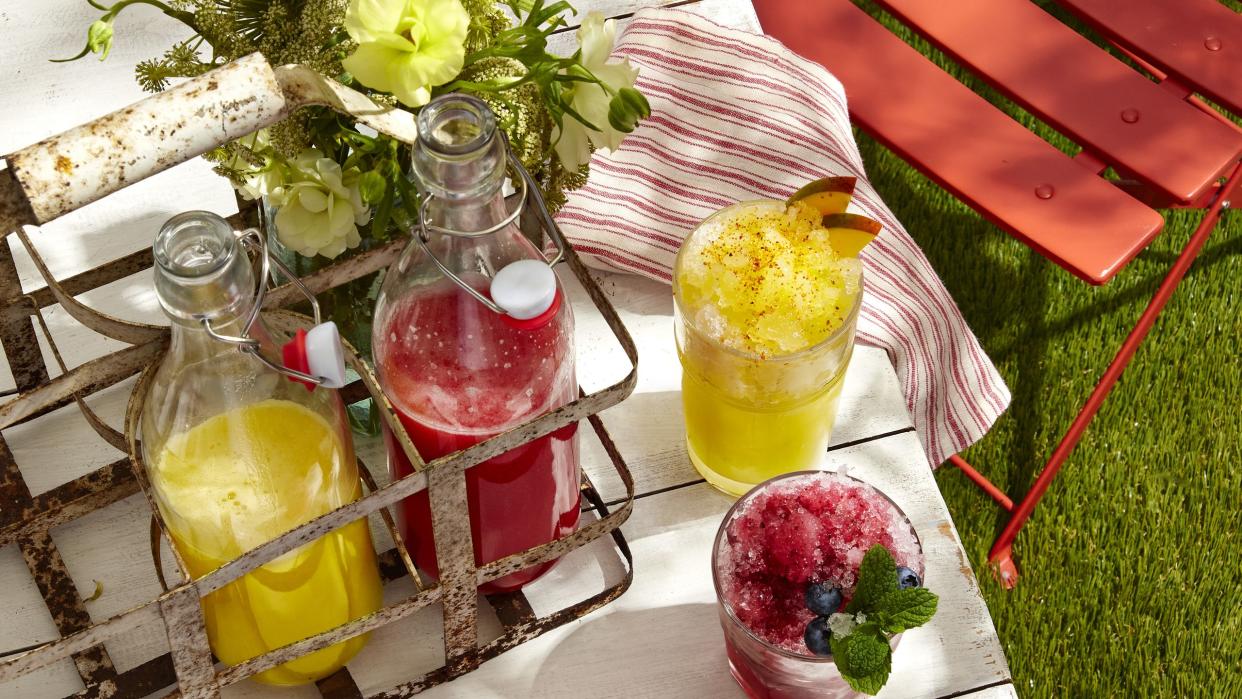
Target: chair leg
[[1001, 555], [984, 484]]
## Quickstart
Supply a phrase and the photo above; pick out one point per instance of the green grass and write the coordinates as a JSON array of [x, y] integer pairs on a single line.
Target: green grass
[[1131, 567]]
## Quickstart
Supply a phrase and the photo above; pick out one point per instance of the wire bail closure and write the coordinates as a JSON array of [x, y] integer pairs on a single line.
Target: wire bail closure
[[252, 239], [529, 189]]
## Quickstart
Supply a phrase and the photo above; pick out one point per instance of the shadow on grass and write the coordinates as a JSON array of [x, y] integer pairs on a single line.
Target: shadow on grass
[[1007, 293]]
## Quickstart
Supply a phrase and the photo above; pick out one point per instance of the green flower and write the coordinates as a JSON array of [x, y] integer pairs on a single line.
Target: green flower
[[319, 207], [406, 47], [594, 101]]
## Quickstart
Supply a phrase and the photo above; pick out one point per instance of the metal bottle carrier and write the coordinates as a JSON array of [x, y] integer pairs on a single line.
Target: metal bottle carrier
[[68, 171]]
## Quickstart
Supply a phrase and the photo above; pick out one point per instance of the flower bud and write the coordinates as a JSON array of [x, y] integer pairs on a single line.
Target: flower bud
[[627, 108], [99, 38]]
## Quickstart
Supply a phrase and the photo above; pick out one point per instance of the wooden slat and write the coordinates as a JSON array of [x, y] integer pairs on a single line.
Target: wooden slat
[[1198, 42], [965, 144], [1081, 90]]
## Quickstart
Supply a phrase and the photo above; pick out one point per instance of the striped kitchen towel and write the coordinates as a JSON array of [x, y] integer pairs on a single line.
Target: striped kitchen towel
[[737, 116]]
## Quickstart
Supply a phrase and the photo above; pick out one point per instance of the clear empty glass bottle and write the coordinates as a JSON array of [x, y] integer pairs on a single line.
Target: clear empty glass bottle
[[237, 455], [472, 337]]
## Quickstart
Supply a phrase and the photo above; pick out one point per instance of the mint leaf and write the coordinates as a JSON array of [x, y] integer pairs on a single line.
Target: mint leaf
[[863, 658], [871, 684], [906, 609], [877, 576]]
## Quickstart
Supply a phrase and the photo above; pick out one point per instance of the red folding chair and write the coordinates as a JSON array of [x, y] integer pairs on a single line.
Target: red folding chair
[[1169, 148]]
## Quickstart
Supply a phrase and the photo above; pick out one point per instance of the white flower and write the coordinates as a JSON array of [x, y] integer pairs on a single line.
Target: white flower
[[319, 208], [257, 181], [591, 100]]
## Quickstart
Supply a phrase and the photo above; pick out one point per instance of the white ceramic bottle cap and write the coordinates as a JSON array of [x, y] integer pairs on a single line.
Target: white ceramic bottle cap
[[525, 288], [324, 356]]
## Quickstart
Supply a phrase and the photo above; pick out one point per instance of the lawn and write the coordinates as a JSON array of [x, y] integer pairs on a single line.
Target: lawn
[[1131, 567]]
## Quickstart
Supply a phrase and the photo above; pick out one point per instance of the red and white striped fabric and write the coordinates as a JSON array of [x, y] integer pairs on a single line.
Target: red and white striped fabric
[[738, 116]]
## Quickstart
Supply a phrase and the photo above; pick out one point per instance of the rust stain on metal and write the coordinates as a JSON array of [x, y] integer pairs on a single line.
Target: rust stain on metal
[[187, 639], [144, 680], [43, 560], [512, 608], [339, 685], [21, 346], [67, 502], [450, 526], [14, 209], [64, 165], [63, 601]]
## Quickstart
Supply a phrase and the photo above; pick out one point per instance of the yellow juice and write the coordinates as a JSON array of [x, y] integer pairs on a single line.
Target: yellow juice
[[766, 311], [243, 477], [735, 444]]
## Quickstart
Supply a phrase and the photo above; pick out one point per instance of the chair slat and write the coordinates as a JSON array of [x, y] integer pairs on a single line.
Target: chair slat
[[1197, 42], [1069, 82], [957, 138]]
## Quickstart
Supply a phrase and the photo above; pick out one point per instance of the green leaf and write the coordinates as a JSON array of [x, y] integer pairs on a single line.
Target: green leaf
[[906, 609], [863, 657], [383, 212], [372, 186], [877, 576], [409, 198], [871, 684]]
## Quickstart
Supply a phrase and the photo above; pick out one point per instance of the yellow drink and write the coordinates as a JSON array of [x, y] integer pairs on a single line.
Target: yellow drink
[[766, 312], [242, 478], [747, 444]]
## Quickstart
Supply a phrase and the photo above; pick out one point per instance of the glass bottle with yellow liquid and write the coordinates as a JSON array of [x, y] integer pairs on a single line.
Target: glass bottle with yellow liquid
[[237, 455]]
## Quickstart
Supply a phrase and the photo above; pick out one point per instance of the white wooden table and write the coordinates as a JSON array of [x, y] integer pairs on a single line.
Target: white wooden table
[[660, 639]]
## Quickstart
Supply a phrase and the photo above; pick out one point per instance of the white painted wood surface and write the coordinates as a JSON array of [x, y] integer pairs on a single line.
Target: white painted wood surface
[[661, 639]]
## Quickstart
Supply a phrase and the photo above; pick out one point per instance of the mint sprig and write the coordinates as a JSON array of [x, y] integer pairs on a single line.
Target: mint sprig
[[864, 656]]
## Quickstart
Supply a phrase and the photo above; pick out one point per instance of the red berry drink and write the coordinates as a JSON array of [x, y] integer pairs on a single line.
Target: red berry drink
[[787, 534], [450, 396], [472, 337]]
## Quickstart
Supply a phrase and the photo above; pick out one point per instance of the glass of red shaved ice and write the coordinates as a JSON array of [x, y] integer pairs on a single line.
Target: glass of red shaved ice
[[785, 534]]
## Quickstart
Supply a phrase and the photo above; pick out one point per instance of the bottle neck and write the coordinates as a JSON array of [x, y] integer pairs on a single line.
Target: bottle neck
[[202, 273], [459, 160]]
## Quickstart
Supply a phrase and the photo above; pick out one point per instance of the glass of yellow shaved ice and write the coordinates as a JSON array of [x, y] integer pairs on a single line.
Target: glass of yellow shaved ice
[[764, 323]]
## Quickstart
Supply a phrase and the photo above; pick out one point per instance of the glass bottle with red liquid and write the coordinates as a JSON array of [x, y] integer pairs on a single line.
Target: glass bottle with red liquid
[[472, 337]]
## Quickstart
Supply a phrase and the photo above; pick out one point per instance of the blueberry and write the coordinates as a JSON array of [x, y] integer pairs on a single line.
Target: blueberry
[[907, 578], [822, 598], [816, 636]]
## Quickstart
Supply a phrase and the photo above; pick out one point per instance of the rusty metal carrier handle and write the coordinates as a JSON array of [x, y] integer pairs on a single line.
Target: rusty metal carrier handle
[[72, 169]]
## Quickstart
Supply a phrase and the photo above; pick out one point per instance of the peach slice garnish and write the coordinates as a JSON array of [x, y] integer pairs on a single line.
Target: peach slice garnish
[[850, 233], [828, 195]]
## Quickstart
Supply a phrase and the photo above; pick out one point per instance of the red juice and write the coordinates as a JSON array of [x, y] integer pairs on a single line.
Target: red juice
[[458, 374]]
